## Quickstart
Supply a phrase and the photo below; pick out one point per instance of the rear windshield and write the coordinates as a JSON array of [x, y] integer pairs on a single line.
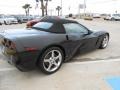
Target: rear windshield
[[43, 25]]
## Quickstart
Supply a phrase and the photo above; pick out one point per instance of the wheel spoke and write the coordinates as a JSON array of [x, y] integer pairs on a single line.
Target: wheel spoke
[[49, 67], [46, 60], [53, 53], [55, 63], [57, 57], [105, 41]]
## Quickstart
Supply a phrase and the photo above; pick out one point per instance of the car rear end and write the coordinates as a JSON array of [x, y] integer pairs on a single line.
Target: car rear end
[[9, 50], [31, 23], [24, 60]]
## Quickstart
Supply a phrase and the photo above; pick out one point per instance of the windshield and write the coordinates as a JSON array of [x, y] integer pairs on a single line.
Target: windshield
[[43, 25]]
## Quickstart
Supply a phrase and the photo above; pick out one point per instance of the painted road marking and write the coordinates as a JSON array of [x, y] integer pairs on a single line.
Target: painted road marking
[[79, 63], [114, 82], [97, 61], [7, 69]]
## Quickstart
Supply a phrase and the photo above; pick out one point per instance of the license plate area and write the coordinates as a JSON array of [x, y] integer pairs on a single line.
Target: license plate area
[[9, 57], [7, 51]]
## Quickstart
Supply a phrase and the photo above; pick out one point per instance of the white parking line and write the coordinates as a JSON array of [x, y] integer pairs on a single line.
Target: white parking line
[[86, 62], [7, 69], [97, 61]]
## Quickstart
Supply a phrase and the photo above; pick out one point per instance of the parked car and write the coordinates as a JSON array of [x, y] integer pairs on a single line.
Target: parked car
[[23, 18], [1, 20], [19, 18], [67, 16], [32, 22], [7, 20], [74, 16], [96, 15], [4, 20], [12, 19], [113, 17], [49, 43], [88, 17]]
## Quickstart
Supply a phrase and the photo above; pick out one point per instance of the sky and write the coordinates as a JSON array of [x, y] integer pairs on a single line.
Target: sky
[[69, 6]]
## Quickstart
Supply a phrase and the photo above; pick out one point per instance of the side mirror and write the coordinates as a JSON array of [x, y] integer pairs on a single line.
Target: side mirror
[[87, 33]]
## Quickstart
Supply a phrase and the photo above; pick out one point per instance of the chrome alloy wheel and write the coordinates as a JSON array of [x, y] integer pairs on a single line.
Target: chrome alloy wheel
[[105, 41], [52, 60]]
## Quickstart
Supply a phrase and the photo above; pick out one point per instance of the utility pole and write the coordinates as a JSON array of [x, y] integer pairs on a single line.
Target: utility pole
[[115, 3], [79, 10], [84, 7]]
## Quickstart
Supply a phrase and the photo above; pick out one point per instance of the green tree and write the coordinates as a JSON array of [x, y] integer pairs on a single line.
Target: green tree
[[58, 9], [27, 8]]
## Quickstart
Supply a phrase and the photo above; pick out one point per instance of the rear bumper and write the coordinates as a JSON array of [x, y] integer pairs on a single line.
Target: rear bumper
[[24, 61]]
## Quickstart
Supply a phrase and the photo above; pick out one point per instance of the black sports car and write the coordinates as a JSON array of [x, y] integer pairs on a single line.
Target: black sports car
[[49, 43]]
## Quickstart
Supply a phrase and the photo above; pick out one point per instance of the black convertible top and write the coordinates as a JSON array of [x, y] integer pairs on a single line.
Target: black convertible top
[[58, 23], [56, 19]]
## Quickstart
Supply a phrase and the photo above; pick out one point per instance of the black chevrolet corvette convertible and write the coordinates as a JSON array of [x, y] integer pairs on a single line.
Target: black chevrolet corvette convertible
[[49, 43]]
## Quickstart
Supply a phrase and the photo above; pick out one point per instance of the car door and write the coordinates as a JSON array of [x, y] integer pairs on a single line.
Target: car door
[[79, 37], [89, 38]]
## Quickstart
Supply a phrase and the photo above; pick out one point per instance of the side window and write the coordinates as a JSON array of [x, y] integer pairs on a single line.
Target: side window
[[75, 28]]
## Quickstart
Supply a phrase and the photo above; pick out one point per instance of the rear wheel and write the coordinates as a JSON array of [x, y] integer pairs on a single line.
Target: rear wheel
[[104, 42], [51, 60]]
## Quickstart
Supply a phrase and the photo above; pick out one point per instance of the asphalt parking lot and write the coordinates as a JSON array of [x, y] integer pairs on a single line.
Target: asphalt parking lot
[[87, 71]]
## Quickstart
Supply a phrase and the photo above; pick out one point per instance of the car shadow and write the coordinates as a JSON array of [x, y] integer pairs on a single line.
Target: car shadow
[[79, 53]]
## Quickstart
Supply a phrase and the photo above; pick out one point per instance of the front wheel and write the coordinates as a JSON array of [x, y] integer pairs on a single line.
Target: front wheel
[[51, 60], [104, 42], [7, 23]]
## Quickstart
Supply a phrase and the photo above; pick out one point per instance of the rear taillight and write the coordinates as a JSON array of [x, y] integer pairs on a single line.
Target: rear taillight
[[9, 44], [12, 45]]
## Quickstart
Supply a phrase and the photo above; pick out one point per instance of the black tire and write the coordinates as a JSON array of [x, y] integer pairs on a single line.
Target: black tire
[[19, 21], [40, 63], [104, 46], [5, 23], [112, 19]]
